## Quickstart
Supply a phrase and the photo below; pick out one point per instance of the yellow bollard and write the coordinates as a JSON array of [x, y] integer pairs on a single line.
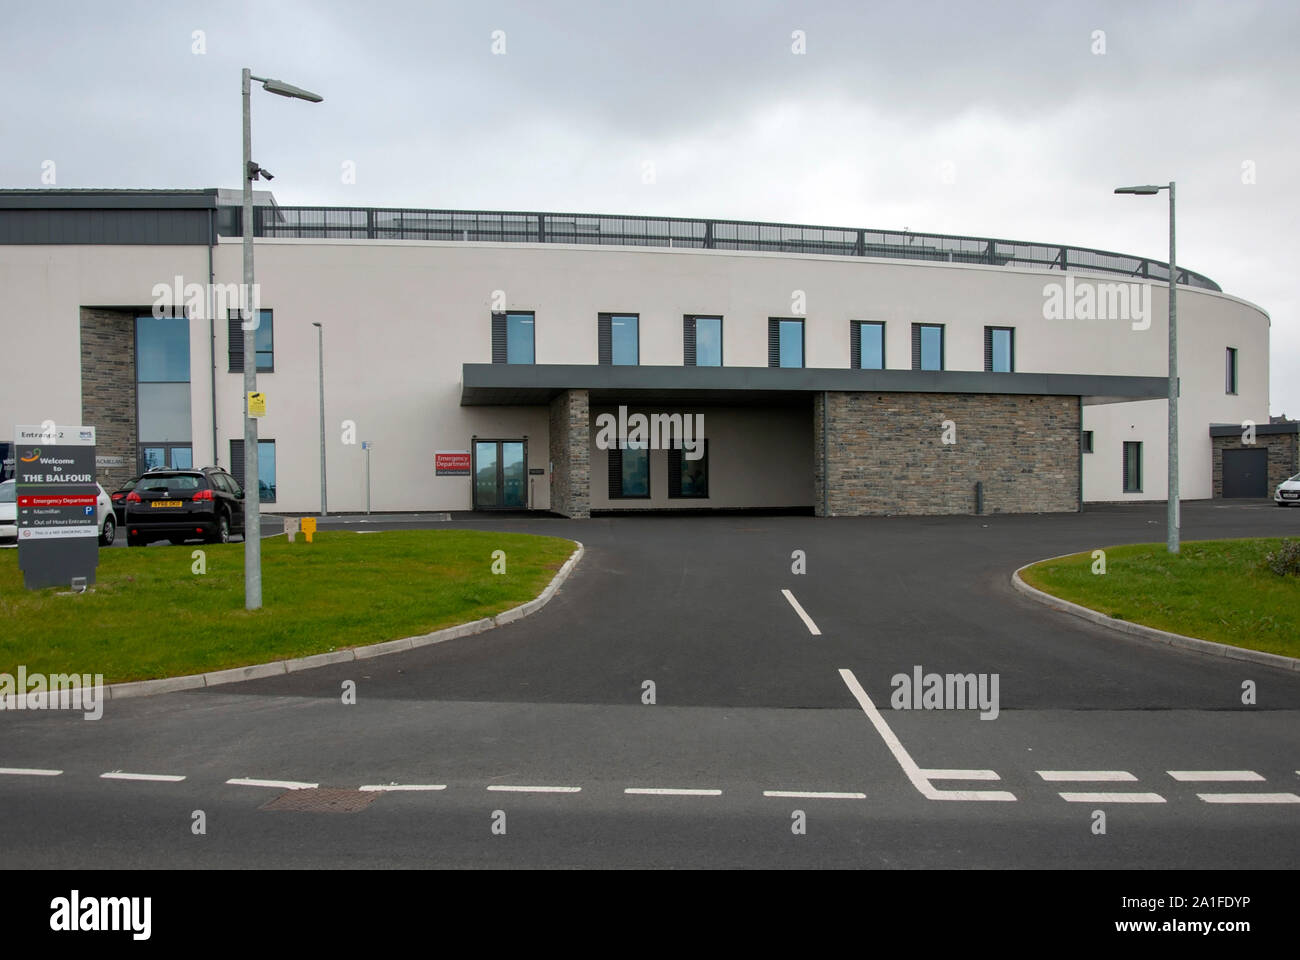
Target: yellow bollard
[[308, 525]]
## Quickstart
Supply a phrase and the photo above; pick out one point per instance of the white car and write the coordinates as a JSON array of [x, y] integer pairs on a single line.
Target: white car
[[1288, 492], [104, 518]]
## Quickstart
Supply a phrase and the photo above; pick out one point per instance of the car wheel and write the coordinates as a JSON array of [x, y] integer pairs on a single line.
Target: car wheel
[[109, 532], [222, 533]]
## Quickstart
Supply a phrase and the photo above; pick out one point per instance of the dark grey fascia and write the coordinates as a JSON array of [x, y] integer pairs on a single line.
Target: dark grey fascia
[[1261, 429], [108, 199], [514, 384]]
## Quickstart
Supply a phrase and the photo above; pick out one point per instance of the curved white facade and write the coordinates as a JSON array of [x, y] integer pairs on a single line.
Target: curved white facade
[[402, 317]]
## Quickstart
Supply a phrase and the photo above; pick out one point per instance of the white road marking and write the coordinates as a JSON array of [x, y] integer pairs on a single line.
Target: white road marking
[[504, 788], [672, 792], [1085, 776], [1113, 798], [960, 774], [394, 787], [914, 773], [814, 795], [1208, 776], [157, 777], [29, 772], [807, 620], [278, 784], [1249, 797]]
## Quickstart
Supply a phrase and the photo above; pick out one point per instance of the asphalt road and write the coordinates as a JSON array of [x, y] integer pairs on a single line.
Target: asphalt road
[[755, 717]]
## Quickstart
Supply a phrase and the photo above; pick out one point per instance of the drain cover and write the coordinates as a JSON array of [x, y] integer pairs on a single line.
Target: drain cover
[[321, 801]]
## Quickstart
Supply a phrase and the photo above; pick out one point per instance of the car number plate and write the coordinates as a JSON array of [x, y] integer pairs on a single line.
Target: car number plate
[[1286, 495], [166, 503]]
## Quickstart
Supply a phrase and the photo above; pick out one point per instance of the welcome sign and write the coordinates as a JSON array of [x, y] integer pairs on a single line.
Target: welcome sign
[[56, 499]]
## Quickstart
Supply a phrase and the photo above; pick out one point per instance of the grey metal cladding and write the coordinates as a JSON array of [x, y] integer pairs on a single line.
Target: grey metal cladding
[[97, 226]]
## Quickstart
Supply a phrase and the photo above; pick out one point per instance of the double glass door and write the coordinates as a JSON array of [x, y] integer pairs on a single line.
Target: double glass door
[[500, 475]]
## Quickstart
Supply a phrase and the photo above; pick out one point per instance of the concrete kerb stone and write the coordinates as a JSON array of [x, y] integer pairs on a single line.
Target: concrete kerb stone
[[148, 688], [1149, 634]]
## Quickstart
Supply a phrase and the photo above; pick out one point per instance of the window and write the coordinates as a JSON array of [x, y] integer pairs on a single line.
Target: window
[[999, 349], [927, 346], [265, 467], [162, 392], [617, 337], [867, 346], [629, 473], [1230, 371], [1132, 466], [687, 478], [263, 340], [784, 342], [702, 341], [513, 338], [1087, 442]]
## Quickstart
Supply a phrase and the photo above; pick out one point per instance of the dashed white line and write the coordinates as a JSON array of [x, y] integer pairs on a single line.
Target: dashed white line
[[814, 795], [398, 787], [1085, 776], [960, 774], [672, 792], [914, 773], [506, 788], [1113, 798], [278, 784], [1210, 776], [153, 777], [29, 772], [1249, 797], [807, 620]]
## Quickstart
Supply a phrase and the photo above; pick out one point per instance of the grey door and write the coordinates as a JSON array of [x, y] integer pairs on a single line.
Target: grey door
[[1245, 473]]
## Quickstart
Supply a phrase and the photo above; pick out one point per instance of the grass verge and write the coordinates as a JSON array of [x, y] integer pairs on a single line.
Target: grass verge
[[1216, 590], [150, 615]]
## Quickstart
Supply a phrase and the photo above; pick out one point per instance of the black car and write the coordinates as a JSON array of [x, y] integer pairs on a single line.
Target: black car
[[180, 505], [118, 497]]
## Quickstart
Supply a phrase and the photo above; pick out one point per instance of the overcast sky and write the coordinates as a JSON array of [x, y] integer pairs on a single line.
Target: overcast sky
[[997, 119]]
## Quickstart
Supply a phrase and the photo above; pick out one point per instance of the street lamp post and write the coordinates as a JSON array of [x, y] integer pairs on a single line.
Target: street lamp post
[[250, 320], [320, 356], [1172, 513]]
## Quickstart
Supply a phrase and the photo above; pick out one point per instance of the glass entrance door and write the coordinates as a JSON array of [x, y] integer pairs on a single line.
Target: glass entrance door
[[500, 475]]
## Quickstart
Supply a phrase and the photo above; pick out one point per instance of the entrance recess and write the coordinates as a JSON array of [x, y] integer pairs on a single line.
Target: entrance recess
[[500, 475]]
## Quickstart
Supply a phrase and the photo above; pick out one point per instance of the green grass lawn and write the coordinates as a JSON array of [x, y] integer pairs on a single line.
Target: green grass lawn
[[1214, 589], [148, 615]]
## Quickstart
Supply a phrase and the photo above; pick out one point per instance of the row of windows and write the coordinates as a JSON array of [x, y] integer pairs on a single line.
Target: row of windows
[[629, 474], [619, 342]]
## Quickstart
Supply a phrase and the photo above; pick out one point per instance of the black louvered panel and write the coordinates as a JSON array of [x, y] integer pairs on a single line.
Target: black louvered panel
[[235, 346], [855, 344], [604, 340], [773, 342], [988, 348], [688, 341], [675, 471], [615, 474], [916, 346], [498, 338], [237, 460]]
